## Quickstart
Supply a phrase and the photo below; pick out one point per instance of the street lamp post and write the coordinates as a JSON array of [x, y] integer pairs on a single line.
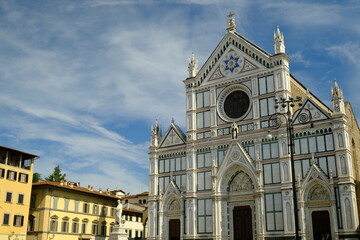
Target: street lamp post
[[275, 121]]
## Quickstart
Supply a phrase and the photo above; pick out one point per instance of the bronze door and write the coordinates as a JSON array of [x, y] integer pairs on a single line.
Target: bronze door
[[174, 229], [321, 225], [242, 223]]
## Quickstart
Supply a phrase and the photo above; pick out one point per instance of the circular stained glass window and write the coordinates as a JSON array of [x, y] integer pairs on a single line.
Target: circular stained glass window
[[236, 104]]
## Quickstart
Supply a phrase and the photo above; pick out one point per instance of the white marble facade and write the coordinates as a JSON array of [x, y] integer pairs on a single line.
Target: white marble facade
[[222, 185]]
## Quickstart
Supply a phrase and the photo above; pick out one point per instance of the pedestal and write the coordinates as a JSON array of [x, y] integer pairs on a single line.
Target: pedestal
[[118, 233]]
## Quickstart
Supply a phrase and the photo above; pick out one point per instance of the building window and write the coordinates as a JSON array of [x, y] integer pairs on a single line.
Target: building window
[[66, 204], [2, 172], [83, 227], [76, 206], [270, 150], [65, 226], [180, 181], [327, 164], [203, 160], [221, 155], [55, 202], [320, 143], [301, 167], [266, 85], [163, 182], [203, 119], [274, 212], [204, 215], [130, 233], [33, 201], [8, 197], [75, 227], [172, 164], [18, 220], [23, 177], [104, 211], [112, 211], [11, 175], [86, 208], [20, 198], [203, 99], [271, 173], [94, 229], [95, 209], [103, 229], [267, 106], [204, 180], [6, 219], [53, 225], [250, 149]]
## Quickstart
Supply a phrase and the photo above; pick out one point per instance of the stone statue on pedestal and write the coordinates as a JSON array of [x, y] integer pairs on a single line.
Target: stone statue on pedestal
[[119, 232], [118, 212]]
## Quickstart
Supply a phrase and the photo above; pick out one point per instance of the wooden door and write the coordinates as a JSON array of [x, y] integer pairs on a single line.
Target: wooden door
[[242, 223], [321, 225], [174, 229]]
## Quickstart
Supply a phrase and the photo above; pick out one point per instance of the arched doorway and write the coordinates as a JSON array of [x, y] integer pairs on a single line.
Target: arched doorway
[[321, 225]]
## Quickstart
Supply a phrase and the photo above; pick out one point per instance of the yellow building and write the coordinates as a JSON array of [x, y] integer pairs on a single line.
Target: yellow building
[[66, 211], [16, 173]]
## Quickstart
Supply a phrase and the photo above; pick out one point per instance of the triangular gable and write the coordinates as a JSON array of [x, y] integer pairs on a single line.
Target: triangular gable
[[172, 188], [173, 137], [236, 154], [315, 173], [233, 62], [317, 113], [234, 55]]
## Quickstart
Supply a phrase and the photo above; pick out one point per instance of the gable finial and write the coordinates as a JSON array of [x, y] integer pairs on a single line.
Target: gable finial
[[193, 67], [231, 23]]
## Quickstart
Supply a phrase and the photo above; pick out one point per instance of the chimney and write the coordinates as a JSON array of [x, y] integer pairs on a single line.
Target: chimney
[[100, 190], [61, 182], [78, 184], [71, 184], [89, 187], [108, 191]]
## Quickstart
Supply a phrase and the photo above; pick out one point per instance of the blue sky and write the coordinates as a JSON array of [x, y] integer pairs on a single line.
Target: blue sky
[[81, 82]]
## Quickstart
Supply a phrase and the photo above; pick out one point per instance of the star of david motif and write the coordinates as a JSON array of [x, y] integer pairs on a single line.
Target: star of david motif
[[231, 63]]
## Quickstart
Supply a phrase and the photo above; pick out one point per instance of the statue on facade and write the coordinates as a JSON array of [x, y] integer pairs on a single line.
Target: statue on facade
[[118, 212], [231, 22], [234, 130]]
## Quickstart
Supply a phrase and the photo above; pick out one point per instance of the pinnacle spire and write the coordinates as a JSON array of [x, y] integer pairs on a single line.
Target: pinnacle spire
[[336, 92], [193, 67], [279, 42]]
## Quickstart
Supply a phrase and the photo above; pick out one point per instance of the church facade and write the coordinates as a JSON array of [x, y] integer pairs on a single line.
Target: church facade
[[229, 176]]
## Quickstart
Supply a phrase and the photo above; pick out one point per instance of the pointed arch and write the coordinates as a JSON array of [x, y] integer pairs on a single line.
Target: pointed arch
[[237, 177]]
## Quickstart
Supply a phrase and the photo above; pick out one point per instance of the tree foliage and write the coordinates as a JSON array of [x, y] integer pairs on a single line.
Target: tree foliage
[[36, 177], [56, 175]]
